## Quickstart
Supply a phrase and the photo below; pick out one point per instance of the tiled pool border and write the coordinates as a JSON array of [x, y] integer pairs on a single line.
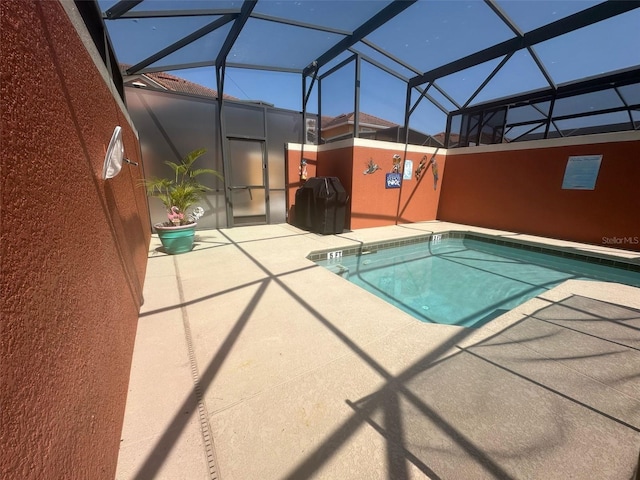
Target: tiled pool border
[[592, 257]]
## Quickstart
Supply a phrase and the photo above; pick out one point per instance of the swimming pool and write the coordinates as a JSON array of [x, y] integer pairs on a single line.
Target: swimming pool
[[464, 279]]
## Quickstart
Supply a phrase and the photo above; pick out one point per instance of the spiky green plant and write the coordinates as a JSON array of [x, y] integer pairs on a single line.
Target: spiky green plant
[[182, 191]]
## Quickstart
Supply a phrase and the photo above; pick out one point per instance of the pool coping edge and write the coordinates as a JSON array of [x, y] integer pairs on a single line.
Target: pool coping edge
[[570, 252]]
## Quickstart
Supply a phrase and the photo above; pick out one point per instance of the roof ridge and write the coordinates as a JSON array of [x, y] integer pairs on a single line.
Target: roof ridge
[[368, 118], [177, 84]]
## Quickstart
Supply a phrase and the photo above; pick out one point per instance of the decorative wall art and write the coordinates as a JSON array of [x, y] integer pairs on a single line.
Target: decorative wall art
[[302, 169], [396, 163], [408, 170], [393, 180], [434, 170], [371, 167], [421, 166]]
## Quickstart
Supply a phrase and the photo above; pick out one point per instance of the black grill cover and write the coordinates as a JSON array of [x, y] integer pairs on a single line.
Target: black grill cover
[[321, 205]]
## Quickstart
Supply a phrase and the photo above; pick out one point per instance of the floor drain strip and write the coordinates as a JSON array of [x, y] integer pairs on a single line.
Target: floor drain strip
[[203, 416]]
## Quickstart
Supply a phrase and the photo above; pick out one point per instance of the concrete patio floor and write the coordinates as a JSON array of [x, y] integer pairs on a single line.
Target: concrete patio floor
[[251, 362]]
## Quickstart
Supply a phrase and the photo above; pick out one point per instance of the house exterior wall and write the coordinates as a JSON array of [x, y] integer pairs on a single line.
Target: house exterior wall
[[371, 204], [338, 162], [518, 188], [514, 187], [293, 154], [74, 250], [376, 205], [331, 132]]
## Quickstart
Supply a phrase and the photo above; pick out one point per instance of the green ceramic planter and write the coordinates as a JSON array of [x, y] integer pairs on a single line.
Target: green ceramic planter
[[176, 239]]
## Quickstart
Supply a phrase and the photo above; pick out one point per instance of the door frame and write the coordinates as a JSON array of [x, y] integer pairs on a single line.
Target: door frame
[[265, 177]]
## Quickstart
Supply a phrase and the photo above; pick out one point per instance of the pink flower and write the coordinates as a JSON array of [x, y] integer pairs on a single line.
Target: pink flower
[[175, 214]]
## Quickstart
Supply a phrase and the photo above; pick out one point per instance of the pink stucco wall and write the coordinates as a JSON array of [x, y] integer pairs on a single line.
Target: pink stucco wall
[[73, 253]]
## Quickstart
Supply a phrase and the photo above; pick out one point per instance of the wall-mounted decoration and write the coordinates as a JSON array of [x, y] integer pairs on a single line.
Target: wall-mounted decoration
[[421, 166], [115, 156], [302, 169], [396, 163], [371, 167], [407, 170], [434, 170], [581, 172], [393, 180]]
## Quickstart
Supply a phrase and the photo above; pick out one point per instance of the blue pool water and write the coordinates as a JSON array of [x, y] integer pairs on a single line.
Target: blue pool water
[[464, 281]]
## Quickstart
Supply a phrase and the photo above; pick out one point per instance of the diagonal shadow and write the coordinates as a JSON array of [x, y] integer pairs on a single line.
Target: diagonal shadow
[[399, 445], [397, 453], [591, 316], [552, 390], [374, 401], [217, 294], [171, 434], [315, 461], [475, 319], [582, 332], [331, 445], [393, 423]]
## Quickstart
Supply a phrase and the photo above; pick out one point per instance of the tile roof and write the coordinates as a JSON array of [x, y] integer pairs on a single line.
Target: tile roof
[[177, 84], [349, 117]]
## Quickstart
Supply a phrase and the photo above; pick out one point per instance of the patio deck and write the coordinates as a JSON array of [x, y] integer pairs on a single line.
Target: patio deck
[[253, 363]]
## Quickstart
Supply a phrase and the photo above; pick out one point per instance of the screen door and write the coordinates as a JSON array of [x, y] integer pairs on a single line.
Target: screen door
[[248, 179]]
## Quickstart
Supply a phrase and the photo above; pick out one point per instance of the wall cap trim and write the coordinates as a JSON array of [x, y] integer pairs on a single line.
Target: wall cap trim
[[366, 143], [614, 137]]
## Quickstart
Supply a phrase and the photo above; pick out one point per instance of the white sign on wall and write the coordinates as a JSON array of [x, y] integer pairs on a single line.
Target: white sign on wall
[[581, 172], [408, 170]]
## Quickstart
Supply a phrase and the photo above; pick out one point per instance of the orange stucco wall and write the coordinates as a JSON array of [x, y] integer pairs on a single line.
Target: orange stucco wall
[[371, 204], [74, 251], [375, 205], [293, 181], [509, 187], [339, 163], [520, 190]]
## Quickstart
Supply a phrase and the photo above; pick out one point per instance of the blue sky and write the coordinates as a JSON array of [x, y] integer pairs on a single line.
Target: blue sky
[[426, 35]]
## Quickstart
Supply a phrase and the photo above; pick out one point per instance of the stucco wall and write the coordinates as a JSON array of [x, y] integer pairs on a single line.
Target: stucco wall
[[519, 188], [338, 162], [371, 204], [293, 153], [74, 251], [374, 205], [515, 187]]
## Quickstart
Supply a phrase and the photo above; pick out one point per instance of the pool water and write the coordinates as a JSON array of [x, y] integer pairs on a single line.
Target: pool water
[[462, 281]]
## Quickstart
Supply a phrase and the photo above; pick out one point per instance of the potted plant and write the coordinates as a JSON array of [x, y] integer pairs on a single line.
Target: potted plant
[[179, 194]]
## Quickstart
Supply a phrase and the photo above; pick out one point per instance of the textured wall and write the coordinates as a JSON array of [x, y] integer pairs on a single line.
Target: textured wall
[[292, 163], [371, 204], [374, 205], [520, 190], [74, 251], [338, 162], [509, 187]]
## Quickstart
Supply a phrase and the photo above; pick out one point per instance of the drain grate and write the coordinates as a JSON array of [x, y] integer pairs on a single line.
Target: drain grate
[[203, 416]]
